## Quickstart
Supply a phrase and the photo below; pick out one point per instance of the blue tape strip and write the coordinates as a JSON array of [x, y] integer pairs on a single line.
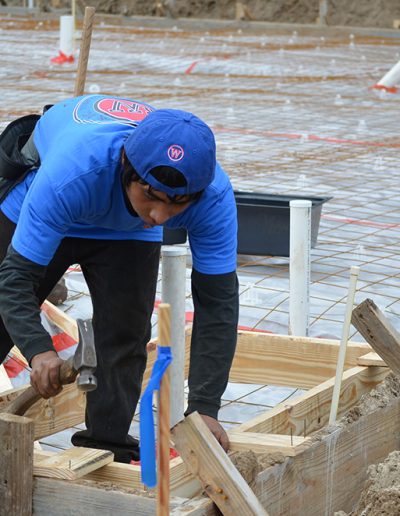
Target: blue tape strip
[[147, 437]]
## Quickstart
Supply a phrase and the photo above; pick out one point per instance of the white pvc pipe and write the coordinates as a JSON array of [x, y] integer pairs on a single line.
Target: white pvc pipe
[[392, 78], [73, 14], [67, 35], [323, 11], [173, 293], [300, 251], [354, 272]]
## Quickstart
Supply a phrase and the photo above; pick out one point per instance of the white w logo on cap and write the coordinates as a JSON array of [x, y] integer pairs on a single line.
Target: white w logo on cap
[[175, 153]]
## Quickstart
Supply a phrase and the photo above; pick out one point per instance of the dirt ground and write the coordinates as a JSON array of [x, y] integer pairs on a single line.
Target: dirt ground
[[360, 13], [381, 493], [363, 13]]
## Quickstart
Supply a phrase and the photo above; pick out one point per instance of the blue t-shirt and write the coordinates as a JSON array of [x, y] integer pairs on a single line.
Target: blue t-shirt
[[77, 190]]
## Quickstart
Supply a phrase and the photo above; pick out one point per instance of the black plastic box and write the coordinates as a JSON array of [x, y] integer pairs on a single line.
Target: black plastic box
[[264, 223]]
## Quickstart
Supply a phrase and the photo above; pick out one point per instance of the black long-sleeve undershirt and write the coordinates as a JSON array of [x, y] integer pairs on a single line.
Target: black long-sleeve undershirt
[[19, 305], [216, 308]]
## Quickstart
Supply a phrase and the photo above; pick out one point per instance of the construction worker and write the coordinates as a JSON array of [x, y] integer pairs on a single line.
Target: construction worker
[[105, 175]]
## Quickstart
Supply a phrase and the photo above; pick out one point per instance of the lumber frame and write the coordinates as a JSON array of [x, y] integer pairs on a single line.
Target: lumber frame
[[260, 358]]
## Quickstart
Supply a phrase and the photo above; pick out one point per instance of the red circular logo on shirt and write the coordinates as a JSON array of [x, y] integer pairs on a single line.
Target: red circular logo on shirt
[[123, 110], [175, 153]]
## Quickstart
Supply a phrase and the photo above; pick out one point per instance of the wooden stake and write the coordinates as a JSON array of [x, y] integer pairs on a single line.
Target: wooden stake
[[378, 332], [163, 427], [354, 272], [16, 465], [206, 459], [84, 51]]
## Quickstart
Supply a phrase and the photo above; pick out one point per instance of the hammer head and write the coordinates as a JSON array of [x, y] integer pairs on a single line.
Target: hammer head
[[85, 361]]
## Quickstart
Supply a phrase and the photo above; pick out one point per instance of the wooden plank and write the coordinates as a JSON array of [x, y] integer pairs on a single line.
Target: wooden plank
[[197, 506], [371, 359], [207, 460], [16, 465], [310, 412], [378, 332], [265, 443], [127, 476], [329, 473], [289, 361], [73, 463], [82, 498]]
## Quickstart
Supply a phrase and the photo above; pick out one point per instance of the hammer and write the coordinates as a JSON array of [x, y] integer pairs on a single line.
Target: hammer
[[83, 362]]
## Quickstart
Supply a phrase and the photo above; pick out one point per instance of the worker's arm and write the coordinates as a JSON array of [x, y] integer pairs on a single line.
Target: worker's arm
[[19, 309], [212, 229], [214, 337]]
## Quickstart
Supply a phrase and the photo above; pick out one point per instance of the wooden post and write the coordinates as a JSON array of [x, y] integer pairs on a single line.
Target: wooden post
[[84, 51], [206, 459], [163, 427], [16, 465], [378, 332]]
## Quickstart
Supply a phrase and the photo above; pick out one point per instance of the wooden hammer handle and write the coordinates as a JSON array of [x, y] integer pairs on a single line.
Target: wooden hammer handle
[[30, 396]]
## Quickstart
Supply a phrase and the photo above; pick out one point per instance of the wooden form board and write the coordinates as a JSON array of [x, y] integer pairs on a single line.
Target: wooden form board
[[219, 477], [304, 362], [83, 498], [72, 464]]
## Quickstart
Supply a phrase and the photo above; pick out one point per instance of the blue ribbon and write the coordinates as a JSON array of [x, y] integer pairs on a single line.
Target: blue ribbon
[[147, 437]]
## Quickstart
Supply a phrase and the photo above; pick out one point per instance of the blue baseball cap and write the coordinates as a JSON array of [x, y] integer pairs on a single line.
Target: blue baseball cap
[[173, 138]]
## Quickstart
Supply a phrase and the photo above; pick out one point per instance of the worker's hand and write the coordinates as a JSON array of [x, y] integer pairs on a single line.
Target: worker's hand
[[45, 374], [217, 430]]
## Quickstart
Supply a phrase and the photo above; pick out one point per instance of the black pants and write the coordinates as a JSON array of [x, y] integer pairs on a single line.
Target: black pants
[[121, 276]]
